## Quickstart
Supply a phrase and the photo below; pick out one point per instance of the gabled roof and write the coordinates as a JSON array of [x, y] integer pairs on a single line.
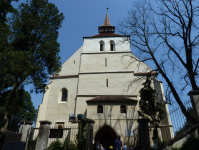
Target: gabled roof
[[111, 98]]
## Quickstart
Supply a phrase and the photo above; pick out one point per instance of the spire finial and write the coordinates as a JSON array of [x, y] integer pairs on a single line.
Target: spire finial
[[107, 21]]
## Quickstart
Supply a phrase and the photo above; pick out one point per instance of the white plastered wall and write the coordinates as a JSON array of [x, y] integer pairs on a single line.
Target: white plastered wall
[[71, 66], [92, 44]]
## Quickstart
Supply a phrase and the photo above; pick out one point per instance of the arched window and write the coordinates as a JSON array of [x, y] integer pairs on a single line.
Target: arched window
[[101, 45], [122, 109], [99, 109], [64, 95], [112, 45]]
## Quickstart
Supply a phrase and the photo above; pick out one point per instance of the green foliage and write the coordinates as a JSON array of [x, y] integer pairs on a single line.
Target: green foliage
[[33, 47], [29, 50], [81, 143], [192, 144], [22, 109], [55, 145], [66, 145], [31, 144], [161, 143], [150, 108], [187, 123]]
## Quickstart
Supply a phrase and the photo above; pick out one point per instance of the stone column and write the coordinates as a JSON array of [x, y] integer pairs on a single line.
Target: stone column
[[143, 132], [25, 129], [42, 138], [194, 96]]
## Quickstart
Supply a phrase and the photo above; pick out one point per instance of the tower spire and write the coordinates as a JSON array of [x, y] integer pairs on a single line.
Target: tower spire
[[106, 27], [107, 20]]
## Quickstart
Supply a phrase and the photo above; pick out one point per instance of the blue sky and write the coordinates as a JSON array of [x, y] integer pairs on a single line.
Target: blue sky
[[82, 18]]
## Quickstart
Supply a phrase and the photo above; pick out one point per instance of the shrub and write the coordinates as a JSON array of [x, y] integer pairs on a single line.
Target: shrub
[[56, 145], [31, 144], [192, 144]]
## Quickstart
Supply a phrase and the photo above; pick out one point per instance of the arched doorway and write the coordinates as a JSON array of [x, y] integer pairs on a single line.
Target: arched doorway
[[106, 136]]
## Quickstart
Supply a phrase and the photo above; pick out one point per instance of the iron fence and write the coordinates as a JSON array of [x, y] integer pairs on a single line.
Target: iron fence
[[176, 123], [66, 133], [9, 136]]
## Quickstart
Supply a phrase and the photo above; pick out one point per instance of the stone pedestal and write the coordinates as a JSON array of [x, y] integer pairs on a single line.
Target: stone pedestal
[[25, 129], [143, 131], [44, 131], [194, 96]]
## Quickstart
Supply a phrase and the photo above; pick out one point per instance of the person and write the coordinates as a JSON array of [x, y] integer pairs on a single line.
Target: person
[[97, 145], [118, 143], [101, 147], [131, 148], [124, 147]]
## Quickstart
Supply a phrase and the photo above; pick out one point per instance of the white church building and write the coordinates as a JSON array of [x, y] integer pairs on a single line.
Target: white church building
[[99, 81]]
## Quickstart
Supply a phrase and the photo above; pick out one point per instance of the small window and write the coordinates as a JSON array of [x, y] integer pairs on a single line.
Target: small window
[[74, 61], [106, 82], [112, 45], [101, 45], [122, 109], [59, 125], [99, 109], [105, 62], [64, 95]]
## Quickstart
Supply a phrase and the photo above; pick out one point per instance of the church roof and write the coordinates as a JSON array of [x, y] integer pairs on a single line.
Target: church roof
[[107, 35], [107, 21], [107, 30], [111, 98]]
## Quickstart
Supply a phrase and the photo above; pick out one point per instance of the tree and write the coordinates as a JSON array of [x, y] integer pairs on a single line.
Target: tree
[[22, 109], [32, 50], [166, 34], [150, 107]]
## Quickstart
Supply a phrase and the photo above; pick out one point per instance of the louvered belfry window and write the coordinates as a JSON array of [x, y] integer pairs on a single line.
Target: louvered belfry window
[[122, 109], [99, 109], [64, 95]]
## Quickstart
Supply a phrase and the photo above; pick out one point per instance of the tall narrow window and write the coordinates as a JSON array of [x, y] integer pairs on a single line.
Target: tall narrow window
[[122, 109], [111, 47], [99, 109], [106, 82], [74, 61], [105, 62], [101, 47], [64, 95]]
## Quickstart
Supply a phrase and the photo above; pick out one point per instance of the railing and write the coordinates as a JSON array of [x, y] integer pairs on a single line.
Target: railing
[[66, 133], [178, 121], [9, 136]]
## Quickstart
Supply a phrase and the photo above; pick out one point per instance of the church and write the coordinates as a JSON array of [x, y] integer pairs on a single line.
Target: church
[[100, 82]]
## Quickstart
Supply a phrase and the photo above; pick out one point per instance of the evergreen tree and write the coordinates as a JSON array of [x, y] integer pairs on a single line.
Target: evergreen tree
[[22, 109], [31, 51], [150, 108]]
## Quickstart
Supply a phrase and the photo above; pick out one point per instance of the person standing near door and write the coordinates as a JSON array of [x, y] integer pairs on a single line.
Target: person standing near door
[[118, 143]]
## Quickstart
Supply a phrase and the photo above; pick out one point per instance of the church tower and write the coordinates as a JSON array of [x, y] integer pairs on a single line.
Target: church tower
[[98, 81]]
